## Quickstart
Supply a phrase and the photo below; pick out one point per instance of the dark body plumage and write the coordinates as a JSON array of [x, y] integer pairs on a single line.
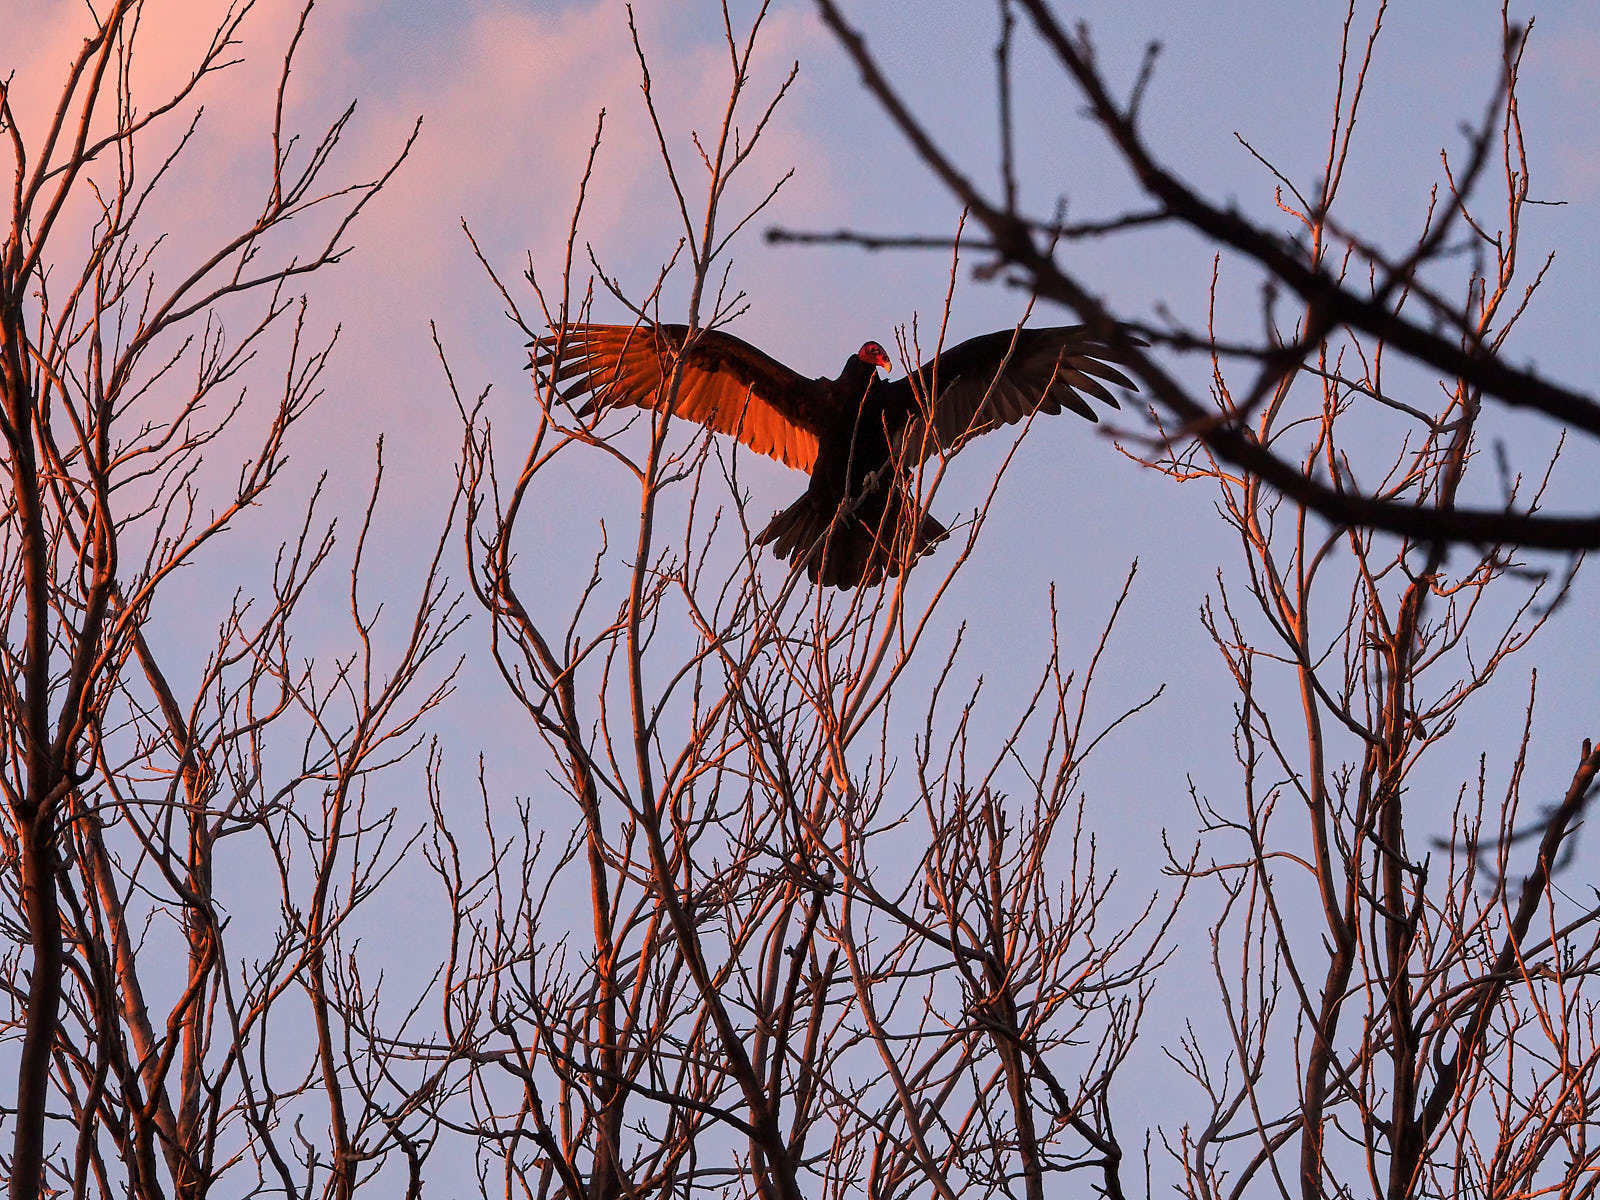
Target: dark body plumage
[[859, 436]]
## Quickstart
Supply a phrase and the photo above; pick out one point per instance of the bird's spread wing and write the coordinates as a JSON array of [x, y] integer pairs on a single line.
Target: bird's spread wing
[[1005, 377], [727, 384]]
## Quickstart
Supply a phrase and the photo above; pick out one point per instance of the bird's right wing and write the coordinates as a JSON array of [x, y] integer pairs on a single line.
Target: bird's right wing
[[726, 385]]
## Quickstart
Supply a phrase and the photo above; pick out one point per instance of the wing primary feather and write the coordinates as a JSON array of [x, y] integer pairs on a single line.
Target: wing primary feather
[[724, 383]]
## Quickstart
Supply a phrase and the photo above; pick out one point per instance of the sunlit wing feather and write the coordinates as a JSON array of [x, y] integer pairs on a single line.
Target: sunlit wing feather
[[975, 387], [727, 384]]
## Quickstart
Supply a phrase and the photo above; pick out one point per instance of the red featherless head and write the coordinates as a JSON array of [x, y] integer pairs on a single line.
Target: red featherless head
[[874, 354]]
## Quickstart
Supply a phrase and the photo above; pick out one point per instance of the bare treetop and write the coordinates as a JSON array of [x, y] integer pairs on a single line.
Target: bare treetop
[[1346, 286]]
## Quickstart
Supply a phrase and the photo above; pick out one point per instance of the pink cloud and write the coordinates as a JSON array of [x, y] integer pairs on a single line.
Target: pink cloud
[[509, 102], [508, 124], [168, 41]]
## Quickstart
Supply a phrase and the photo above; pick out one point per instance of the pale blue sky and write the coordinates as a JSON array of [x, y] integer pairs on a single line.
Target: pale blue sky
[[1073, 511], [509, 95]]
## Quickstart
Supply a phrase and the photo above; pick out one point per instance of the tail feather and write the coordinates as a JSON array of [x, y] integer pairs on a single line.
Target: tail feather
[[845, 547]]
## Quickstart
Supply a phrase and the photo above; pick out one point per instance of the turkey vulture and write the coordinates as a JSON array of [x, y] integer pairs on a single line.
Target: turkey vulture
[[853, 523]]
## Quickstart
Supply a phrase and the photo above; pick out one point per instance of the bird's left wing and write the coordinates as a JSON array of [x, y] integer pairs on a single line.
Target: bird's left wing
[[726, 385], [1001, 378]]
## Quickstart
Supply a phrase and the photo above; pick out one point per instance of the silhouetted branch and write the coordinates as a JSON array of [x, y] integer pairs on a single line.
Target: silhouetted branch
[[1475, 362]]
